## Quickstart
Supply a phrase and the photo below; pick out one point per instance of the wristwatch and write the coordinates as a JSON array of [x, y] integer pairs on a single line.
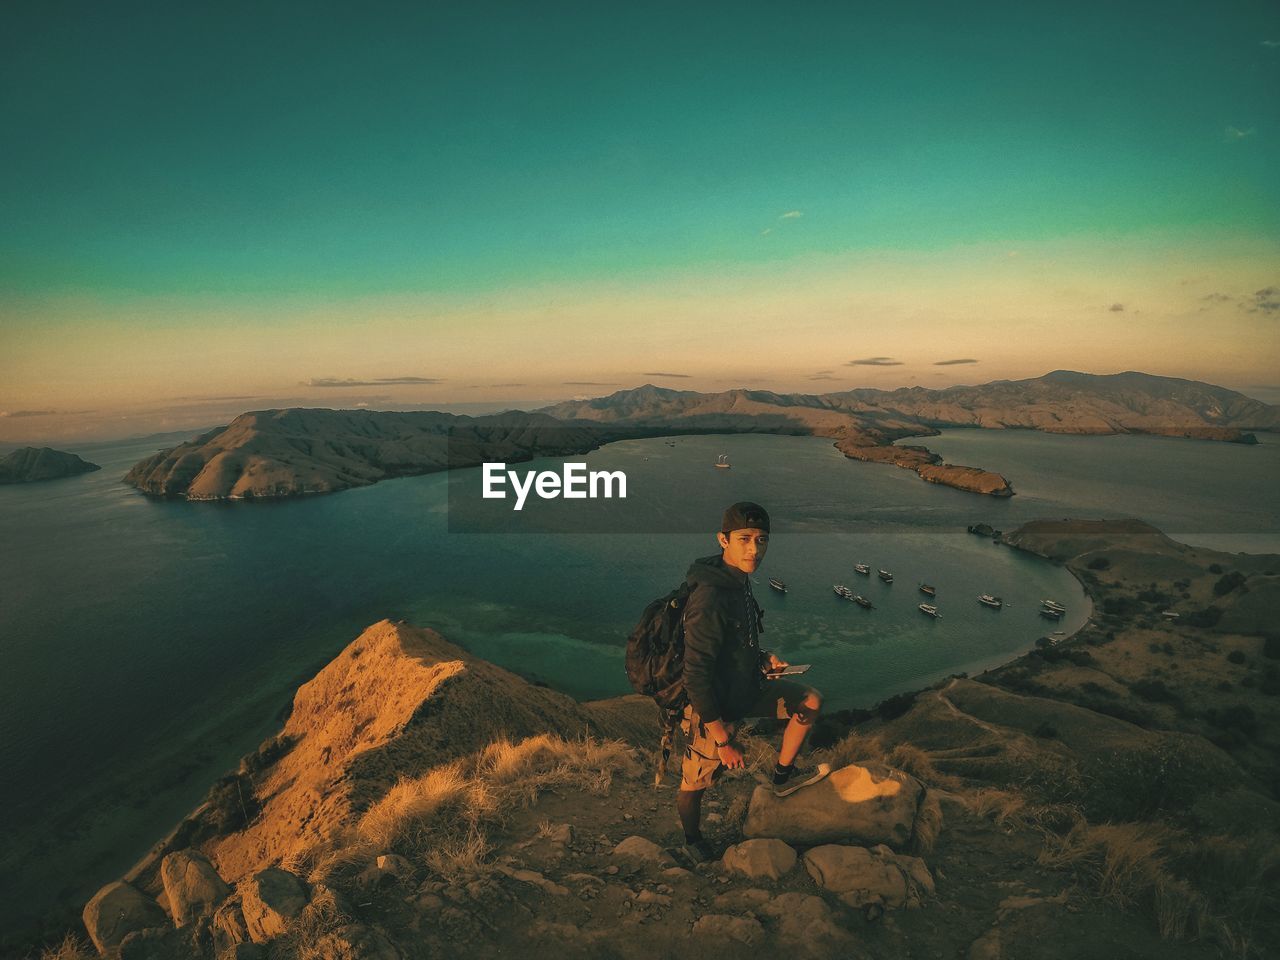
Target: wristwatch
[[725, 744]]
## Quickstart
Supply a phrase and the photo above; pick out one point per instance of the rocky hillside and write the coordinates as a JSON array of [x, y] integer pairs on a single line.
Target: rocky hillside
[[30, 464], [1059, 402], [1107, 795], [281, 453]]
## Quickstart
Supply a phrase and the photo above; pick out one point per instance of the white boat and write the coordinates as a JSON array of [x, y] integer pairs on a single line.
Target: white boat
[[843, 591], [862, 568], [862, 601], [1053, 605], [885, 575], [930, 609], [777, 585], [989, 601], [723, 463]]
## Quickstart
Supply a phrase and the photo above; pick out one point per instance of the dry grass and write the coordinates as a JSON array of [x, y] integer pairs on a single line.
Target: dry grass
[[456, 857], [440, 816], [71, 948], [1128, 864], [856, 748], [928, 825], [417, 808], [307, 933]]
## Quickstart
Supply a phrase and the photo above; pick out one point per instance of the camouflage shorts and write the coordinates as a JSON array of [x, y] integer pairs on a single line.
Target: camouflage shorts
[[780, 699]]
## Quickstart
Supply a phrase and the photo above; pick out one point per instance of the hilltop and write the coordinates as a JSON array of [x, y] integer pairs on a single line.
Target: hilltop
[[32, 464], [1109, 794], [281, 453]]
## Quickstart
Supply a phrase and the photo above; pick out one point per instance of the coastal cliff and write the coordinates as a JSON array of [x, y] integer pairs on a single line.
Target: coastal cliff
[[1110, 790], [284, 453], [33, 464]]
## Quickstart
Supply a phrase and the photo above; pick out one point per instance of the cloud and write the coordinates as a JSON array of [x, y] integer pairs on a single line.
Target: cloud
[[1218, 297], [510, 384], [823, 376], [952, 363], [380, 382], [1116, 308], [32, 413], [1271, 43], [1266, 300], [875, 362], [792, 215], [587, 383], [766, 231], [1235, 133], [682, 376]]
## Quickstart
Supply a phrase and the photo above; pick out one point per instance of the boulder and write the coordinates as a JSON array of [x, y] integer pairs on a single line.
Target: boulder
[[861, 876], [395, 865], [228, 926], [806, 924], [640, 848], [269, 900], [721, 926], [156, 943], [191, 885], [118, 910], [760, 858], [855, 804]]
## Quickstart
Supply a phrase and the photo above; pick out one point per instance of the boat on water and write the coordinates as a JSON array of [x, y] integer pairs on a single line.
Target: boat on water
[[862, 601], [930, 609], [777, 585], [842, 591], [723, 462], [1050, 614], [1053, 605], [928, 590], [862, 568], [885, 575], [987, 600]]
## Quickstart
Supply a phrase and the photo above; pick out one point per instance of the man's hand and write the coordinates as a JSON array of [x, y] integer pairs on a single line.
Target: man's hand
[[775, 664], [731, 756]]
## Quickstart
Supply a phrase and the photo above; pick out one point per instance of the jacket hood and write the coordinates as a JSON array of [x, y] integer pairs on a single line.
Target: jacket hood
[[713, 572]]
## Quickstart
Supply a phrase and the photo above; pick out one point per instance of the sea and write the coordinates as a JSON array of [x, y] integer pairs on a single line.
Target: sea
[[148, 644]]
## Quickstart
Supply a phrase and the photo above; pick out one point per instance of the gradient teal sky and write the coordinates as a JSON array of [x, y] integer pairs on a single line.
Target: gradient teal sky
[[410, 186]]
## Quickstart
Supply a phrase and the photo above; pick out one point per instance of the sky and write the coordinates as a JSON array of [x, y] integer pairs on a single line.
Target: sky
[[472, 206]]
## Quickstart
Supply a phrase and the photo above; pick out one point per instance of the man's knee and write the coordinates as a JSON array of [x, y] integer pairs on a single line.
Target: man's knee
[[808, 709]]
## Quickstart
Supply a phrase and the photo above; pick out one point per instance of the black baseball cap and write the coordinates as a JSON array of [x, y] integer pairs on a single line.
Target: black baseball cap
[[744, 515]]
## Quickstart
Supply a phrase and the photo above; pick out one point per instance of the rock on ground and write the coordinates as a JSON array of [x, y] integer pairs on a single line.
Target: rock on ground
[[118, 910], [641, 848], [855, 804], [721, 926], [269, 900], [760, 858], [192, 886], [861, 876]]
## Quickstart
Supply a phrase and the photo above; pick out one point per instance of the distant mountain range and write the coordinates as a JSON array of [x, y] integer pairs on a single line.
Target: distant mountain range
[[278, 453], [1059, 402]]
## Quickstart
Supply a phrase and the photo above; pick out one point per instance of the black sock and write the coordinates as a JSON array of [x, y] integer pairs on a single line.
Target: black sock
[[689, 806], [782, 773]]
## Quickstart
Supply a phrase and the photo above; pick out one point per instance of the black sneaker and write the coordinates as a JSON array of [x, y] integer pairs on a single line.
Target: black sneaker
[[786, 789], [700, 851]]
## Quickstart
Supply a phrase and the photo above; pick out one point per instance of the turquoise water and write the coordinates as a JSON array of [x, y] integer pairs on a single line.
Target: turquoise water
[[148, 644]]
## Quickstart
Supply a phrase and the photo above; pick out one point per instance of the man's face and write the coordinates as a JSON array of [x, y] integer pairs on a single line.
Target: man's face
[[744, 549]]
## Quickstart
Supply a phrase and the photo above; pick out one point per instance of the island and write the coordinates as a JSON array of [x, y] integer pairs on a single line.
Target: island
[[34, 464], [292, 452]]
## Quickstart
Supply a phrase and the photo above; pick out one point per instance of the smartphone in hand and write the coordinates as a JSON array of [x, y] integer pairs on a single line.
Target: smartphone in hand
[[792, 670]]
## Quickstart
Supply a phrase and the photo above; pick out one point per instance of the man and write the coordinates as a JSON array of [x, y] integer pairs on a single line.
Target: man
[[724, 672]]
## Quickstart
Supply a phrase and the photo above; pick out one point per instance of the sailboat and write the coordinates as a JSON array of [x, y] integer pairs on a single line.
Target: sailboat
[[723, 463]]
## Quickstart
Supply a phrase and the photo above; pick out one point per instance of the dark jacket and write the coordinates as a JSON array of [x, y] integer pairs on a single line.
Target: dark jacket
[[722, 657]]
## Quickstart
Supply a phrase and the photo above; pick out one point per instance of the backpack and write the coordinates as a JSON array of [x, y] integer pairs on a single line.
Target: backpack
[[655, 650], [655, 664]]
